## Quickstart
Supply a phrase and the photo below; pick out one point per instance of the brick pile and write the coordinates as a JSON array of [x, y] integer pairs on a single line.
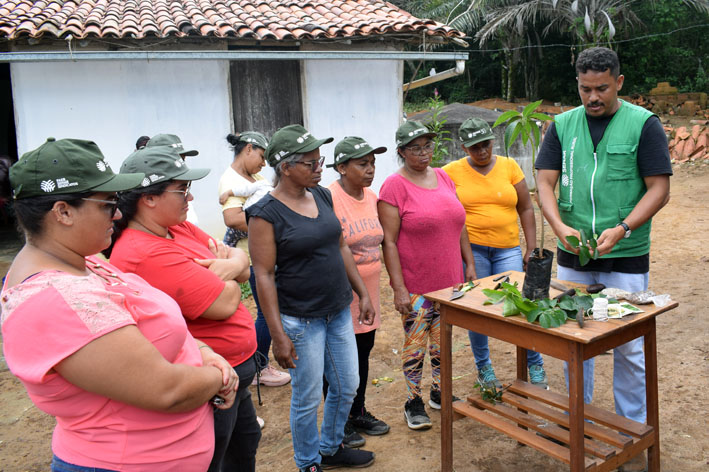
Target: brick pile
[[689, 144]]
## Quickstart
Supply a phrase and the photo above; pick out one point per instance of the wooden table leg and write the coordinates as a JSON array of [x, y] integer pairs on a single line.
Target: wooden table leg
[[521, 363], [576, 407], [653, 415], [446, 395]]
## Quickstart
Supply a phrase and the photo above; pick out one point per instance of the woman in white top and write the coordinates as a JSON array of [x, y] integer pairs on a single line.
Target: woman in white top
[[240, 186]]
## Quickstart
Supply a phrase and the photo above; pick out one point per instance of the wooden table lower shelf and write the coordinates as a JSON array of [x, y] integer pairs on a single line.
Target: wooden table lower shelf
[[537, 418], [609, 441]]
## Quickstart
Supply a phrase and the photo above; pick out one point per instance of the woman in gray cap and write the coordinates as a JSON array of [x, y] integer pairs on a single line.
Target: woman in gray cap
[[101, 350], [154, 240], [494, 193], [303, 272], [425, 245]]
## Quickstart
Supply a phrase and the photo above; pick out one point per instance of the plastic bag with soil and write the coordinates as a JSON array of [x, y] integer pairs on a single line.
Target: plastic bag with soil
[[538, 275]]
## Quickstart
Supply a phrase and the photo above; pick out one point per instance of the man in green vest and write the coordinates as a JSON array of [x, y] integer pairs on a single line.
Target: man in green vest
[[611, 161]]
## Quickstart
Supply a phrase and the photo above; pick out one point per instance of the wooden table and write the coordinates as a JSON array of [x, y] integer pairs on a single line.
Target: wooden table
[[526, 409]]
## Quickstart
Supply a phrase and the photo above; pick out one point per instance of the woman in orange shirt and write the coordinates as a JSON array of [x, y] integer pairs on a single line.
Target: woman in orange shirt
[[494, 193], [356, 207]]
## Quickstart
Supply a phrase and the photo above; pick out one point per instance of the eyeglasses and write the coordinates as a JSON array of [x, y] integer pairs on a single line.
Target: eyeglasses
[[313, 164], [420, 150], [184, 192], [111, 205]]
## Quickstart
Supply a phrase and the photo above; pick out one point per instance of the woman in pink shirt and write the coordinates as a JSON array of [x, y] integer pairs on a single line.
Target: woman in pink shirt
[[104, 352], [425, 245]]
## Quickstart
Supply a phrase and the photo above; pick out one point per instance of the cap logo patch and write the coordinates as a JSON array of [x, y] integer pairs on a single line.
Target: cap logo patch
[[301, 139], [280, 154], [154, 177], [145, 182], [176, 145], [178, 163], [101, 165], [47, 186], [63, 183], [342, 154]]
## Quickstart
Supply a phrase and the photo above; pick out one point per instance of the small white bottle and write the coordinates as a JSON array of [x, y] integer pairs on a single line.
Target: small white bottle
[[600, 309]]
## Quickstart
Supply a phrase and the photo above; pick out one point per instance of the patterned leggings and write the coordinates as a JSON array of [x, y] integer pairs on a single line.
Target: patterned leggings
[[422, 329]]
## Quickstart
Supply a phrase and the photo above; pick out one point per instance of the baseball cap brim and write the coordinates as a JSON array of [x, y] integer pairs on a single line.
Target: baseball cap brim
[[192, 174], [477, 140], [191, 152], [120, 182], [428, 135], [311, 146]]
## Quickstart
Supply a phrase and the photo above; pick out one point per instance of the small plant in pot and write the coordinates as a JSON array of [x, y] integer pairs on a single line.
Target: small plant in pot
[[524, 125]]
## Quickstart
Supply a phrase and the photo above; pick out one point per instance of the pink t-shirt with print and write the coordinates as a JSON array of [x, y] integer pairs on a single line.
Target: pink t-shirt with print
[[363, 234], [429, 236], [52, 315]]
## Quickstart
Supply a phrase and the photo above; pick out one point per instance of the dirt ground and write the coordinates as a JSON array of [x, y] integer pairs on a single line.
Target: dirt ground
[[678, 267]]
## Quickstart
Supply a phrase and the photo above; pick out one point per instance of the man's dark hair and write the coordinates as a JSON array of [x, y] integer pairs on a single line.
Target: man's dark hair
[[598, 60]]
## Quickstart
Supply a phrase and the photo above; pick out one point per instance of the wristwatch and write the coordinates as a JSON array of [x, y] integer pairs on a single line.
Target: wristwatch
[[626, 228]]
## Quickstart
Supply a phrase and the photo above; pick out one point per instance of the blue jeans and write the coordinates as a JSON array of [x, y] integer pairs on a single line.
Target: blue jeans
[[59, 465], [263, 335], [490, 261], [628, 359], [325, 346]]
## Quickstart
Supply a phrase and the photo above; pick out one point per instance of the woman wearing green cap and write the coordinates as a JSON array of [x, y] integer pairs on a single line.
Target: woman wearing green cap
[[356, 207], [154, 240], [101, 350], [425, 245], [303, 272], [494, 193], [240, 186]]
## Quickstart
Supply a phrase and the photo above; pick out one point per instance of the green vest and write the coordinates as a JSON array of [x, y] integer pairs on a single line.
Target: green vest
[[599, 189]]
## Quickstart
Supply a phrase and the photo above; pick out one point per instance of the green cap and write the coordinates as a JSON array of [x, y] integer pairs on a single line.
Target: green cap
[[67, 166], [353, 147], [290, 140], [170, 140], [160, 163], [474, 131], [411, 130], [255, 138]]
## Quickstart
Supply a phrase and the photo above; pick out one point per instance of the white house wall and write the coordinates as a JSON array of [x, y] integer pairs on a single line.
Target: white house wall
[[113, 103], [354, 98]]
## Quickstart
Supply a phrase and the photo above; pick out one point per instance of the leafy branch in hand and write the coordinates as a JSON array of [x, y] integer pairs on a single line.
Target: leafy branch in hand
[[588, 247]]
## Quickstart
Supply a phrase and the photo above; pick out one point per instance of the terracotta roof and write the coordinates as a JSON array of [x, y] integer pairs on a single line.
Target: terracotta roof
[[245, 19]]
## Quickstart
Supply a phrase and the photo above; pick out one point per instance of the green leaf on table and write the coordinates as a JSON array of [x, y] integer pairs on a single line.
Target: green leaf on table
[[567, 303], [533, 315], [493, 296], [509, 308], [525, 305]]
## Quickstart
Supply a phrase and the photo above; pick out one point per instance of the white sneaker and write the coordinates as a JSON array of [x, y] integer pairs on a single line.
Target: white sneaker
[[260, 422], [272, 377]]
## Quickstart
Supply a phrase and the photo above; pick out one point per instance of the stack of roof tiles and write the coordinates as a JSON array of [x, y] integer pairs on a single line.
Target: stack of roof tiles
[[248, 19]]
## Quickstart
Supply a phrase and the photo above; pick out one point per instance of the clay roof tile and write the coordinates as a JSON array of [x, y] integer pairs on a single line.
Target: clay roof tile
[[276, 19]]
